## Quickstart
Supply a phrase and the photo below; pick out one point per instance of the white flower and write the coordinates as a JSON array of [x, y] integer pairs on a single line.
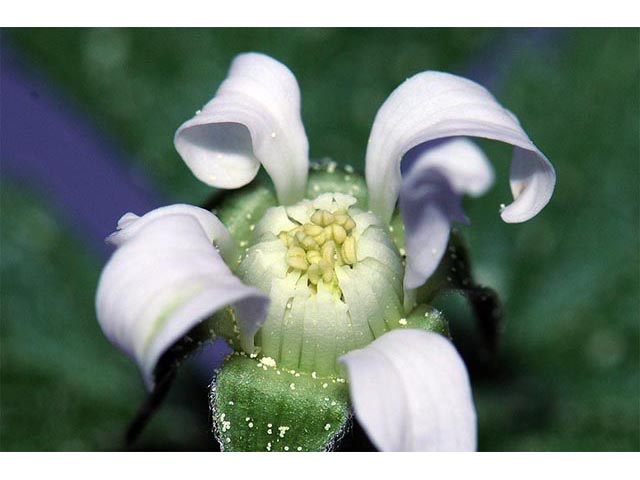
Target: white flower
[[326, 261]]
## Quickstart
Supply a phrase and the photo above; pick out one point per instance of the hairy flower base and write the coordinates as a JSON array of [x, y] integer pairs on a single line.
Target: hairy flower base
[[297, 411]]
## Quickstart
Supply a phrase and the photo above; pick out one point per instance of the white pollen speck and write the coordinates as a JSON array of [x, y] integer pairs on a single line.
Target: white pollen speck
[[502, 206], [333, 404], [268, 361], [286, 449], [292, 386], [273, 135], [268, 446], [228, 440], [282, 431], [231, 403], [250, 424], [252, 228], [314, 375], [297, 375], [247, 419], [327, 426], [198, 112], [299, 449], [402, 321], [269, 425], [269, 431], [325, 385], [403, 252], [348, 169]]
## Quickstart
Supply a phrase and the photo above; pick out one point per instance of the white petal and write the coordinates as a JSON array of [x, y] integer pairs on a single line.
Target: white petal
[[410, 391], [130, 224], [428, 205], [253, 119], [434, 105], [161, 282], [463, 163]]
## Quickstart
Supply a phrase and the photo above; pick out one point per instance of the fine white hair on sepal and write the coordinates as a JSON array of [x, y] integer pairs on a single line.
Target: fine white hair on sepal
[[164, 280], [253, 119], [432, 106], [410, 391]]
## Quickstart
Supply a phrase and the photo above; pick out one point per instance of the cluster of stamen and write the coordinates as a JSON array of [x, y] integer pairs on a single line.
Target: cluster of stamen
[[318, 246]]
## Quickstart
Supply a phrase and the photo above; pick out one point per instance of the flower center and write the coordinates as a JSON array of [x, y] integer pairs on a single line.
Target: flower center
[[334, 277], [318, 246]]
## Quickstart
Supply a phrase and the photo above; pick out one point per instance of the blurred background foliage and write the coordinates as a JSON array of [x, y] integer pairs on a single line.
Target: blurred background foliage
[[568, 374]]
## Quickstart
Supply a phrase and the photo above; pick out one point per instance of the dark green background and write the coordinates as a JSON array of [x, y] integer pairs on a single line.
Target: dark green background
[[568, 377]]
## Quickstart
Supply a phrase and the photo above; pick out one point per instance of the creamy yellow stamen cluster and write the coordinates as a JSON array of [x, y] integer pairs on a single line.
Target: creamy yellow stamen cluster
[[318, 246]]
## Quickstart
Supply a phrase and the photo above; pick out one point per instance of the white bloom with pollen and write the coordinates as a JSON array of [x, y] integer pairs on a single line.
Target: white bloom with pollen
[[335, 279]]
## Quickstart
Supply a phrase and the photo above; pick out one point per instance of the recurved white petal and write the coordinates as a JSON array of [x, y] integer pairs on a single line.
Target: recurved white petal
[[460, 160], [130, 224], [410, 391], [253, 119], [428, 205], [164, 279], [434, 105]]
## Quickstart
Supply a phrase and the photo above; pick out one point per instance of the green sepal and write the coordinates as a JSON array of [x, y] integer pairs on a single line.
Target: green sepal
[[426, 317], [330, 177], [259, 407], [241, 209]]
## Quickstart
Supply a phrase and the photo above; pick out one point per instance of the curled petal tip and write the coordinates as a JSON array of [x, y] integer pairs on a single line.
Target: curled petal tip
[[253, 119], [432, 106]]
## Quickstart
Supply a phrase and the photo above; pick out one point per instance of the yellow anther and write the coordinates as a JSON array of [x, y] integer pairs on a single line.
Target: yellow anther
[[309, 243], [341, 218], [312, 230], [321, 238], [322, 218], [349, 224], [327, 275], [328, 252], [339, 233], [296, 258], [314, 273], [284, 237], [313, 256], [299, 236], [348, 251], [319, 246]]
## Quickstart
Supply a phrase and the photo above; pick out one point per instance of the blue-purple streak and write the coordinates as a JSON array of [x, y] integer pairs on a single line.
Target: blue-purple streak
[[491, 67], [51, 147]]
